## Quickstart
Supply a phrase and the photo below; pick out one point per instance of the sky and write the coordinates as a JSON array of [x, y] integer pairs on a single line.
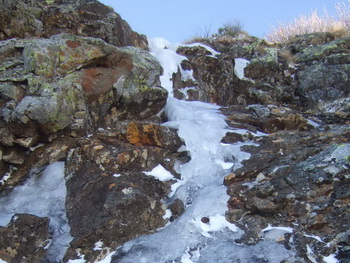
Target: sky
[[180, 20]]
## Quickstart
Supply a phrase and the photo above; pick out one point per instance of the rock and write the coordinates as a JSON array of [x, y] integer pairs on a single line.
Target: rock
[[215, 77], [177, 209], [109, 198], [322, 50], [266, 119], [281, 188], [153, 135], [111, 209], [24, 19], [25, 239], [73, 85], [37, 158], [14, 156], [322, 83]]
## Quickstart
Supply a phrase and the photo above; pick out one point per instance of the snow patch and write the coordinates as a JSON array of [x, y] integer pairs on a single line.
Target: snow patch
[[167, 214], [280, 228], [211, 50], [98, 245], [330, 259], [160, 173], [240, 64], [315, 237]]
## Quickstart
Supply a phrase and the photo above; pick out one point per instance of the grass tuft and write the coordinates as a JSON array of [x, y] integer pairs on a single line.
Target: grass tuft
[[338, 25]]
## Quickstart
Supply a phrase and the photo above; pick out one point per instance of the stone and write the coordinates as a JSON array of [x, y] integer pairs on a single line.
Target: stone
[[25, 239], [153, 135], [177, 209]]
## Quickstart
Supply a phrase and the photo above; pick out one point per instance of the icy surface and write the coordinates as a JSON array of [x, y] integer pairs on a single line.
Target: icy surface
[[240, 64], [330, 259], [201, 233], [42, 195]]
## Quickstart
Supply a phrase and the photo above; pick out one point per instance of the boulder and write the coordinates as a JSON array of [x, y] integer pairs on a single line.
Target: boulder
[[25, 239], [109, 198]]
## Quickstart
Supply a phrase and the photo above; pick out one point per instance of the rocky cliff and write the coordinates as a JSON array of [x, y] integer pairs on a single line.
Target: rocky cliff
[[78, 85]]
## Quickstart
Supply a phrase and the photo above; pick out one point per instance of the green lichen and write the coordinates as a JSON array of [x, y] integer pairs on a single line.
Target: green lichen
[[141, 84], [49, 2]]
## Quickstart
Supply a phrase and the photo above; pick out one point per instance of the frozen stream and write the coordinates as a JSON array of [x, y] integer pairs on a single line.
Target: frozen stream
[[187, 239]]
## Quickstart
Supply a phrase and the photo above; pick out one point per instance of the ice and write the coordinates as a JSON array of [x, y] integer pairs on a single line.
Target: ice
[[201, 233], [2, 261], [240, 64], [314, 237], [215, 223], [160, 173], [164, 51], [330, 259], [280, 228], [211, 50], [166, 54], [42, 195]]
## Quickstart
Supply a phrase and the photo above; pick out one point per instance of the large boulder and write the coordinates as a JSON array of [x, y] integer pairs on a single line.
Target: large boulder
[[89, 18], [110, 199]]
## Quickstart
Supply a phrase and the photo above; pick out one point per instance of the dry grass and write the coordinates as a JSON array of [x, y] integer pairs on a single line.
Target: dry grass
[[231, 28], [338, 25]]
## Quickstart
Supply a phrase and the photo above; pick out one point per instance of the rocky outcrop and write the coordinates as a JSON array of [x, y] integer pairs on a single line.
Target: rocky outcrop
[[25, 239], [70, 85], [77, 85], [87, 18], [294, 179]]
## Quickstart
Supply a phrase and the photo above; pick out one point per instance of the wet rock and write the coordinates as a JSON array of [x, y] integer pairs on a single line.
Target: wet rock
[[25, 239]]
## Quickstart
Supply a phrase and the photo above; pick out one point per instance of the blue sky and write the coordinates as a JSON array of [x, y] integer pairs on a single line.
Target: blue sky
[[179, 20]]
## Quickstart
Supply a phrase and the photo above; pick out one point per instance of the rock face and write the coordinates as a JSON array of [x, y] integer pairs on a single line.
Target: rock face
[[71, 70], [25, 239], [72, 85], [77, 85], [88, 18]]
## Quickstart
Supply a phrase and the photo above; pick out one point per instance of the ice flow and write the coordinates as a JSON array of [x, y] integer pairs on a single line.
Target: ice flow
[[202, 233]]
